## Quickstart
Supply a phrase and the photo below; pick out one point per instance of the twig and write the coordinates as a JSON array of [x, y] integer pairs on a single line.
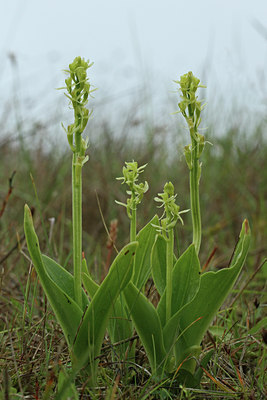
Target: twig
[[104, 223], [113, 229], [104, 349], [8, 194], [205, 266], [12, 249]]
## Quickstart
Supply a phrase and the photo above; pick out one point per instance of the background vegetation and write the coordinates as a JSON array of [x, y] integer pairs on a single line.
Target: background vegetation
[[233, 186]]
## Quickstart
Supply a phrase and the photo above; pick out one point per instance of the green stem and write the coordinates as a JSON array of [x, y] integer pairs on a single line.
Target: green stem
[[169, 267], [133, 226], [133, 218], [77, 227], [194, 195]]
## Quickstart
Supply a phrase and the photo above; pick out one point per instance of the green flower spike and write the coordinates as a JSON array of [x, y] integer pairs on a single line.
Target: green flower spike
[[191, 108], [78, 90], [171, 209], [130, 176], [171, 216]]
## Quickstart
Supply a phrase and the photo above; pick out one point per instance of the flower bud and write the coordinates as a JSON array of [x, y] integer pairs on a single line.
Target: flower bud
[[169, 188], [188, 155], [201, 143]]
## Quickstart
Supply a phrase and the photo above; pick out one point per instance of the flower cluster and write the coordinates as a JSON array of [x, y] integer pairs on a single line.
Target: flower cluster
[[79, 89], [131, 172], [171, 209], [189, 105], [191, 108]]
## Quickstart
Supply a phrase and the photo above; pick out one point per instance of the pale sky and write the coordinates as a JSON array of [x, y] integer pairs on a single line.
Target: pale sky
[[134, 43]]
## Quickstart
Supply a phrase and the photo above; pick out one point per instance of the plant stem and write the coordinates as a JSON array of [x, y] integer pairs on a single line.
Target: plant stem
[[169, 267], [133, 226], [77, 226], [194, 195]]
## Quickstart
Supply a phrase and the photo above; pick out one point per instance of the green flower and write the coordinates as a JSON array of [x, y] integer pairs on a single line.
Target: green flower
[[171, 209], [78, 90], [131, 173], [189, 105]]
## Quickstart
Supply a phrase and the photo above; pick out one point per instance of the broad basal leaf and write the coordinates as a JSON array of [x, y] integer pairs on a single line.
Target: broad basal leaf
[[148, 327], [67, 311], [185, 283], [145, 238], [62, 278], [120, 326], [192, 321], [94, 324], [158, 262]]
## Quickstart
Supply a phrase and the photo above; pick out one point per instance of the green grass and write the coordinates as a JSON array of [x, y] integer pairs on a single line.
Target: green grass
[[234, 186]]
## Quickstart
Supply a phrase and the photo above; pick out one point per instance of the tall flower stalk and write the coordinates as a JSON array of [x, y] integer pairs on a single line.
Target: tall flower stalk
[[171, 216], [78, 91], [191, 108]]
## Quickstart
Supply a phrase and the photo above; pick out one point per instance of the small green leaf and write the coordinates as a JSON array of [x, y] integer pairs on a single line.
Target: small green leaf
[[66, 389]]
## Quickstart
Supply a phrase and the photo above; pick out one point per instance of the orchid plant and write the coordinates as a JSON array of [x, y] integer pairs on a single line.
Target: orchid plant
[[83, 322], [172, 332]]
